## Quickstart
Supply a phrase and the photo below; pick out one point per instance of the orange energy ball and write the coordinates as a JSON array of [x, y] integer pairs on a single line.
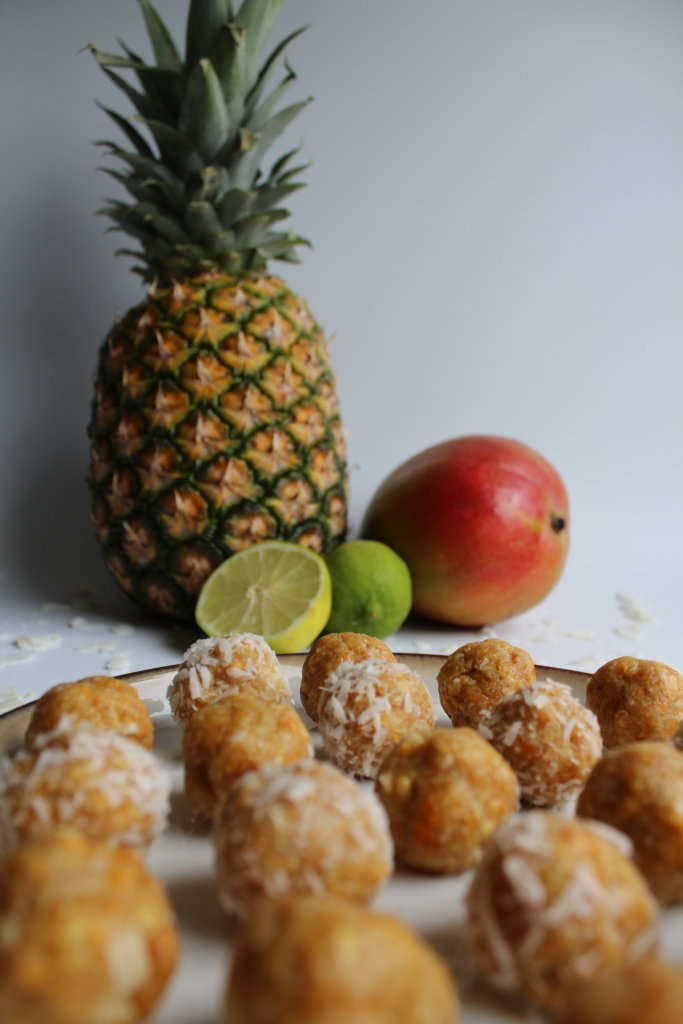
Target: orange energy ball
[[476, 677], [634, 699], [98, 702], [218, 666], [366, 708], [327, 653], [638, 788], [300, 829], [99, 783], [645, 991], [315, 959], [548, 738], [553, 903], [445, 792], [234, 735], [87, 935]]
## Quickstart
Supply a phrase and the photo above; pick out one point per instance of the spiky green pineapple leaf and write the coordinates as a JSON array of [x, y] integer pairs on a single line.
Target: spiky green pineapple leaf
[[144, 105], [163, 46], [246, 166], [263, 113], [204, 116], [202, 220], [163, 86], [258, 17], [215, 183], [176, 151], [229, 58], [268, 196], [267, 71], [170, 199], [146, 166], [204, 20], [235, 204], [129, 130]]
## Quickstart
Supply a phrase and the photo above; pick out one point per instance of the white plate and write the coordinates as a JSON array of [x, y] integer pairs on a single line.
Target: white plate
[[183, 858]]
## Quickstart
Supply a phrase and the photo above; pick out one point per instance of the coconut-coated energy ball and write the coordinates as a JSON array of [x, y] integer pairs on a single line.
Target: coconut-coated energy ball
[[87, 934], [234, 735], [99, 783], [366, 708], [98, 702], [634, 699], [476, 677], [445, 792], [638, 788], [319, 960], [550, 740], [554, 902], [217, 666], [648, 990], [299, 829], [327, 653]]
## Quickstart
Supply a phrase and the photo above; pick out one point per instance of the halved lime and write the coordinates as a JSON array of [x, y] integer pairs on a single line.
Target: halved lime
[[275, 588]]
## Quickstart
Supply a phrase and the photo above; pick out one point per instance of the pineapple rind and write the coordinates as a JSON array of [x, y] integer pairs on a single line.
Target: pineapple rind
[[215, 425]]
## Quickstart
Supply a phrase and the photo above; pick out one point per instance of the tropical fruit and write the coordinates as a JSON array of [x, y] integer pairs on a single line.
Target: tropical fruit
[[482, 523], [279, 590], [215, 423], [371, 589]]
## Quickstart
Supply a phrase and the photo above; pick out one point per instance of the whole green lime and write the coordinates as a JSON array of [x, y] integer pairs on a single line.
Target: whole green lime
[[372, 589]]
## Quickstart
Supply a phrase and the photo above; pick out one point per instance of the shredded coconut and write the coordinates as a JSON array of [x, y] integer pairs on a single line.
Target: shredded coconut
[[34, 642]]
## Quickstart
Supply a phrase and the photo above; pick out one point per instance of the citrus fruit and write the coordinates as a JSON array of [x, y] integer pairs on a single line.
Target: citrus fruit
[[371, 589], [277, 589]]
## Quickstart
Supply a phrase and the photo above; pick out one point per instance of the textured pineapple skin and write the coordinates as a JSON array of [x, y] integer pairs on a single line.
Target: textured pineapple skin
[[215, 425]]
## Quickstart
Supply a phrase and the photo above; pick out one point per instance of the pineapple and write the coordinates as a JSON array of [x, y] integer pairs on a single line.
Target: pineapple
[[215, 422]]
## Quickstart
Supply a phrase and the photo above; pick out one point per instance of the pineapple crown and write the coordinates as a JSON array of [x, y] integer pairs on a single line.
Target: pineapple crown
[[200, 199]]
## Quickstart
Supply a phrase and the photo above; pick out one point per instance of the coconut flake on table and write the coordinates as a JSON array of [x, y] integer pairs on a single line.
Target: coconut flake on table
[[103, 648], [628, 631], [121, 663], [589, 635], [81, 623], [13, 659], [122, 629], [587, 661], [10, 698], [37, 642], [631, 608]]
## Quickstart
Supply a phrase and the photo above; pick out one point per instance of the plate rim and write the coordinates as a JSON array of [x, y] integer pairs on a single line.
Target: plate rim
[[141, 676]]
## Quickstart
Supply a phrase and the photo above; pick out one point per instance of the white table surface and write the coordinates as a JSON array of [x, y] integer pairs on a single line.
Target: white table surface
[[82, 626]]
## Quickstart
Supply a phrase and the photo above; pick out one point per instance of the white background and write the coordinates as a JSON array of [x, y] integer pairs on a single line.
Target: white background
[[496, 205]]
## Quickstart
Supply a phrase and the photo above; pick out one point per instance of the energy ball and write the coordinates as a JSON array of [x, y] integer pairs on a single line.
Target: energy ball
[[548, 738], [300, 829], [366, 708], [98, 702], [553, 903], [638, 788], [234, 735], [317, 959], [645, 991], [99, 783], [634, 699], [445, 792], [477, 676], [327, 653], [87, 935], [218, 666]]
